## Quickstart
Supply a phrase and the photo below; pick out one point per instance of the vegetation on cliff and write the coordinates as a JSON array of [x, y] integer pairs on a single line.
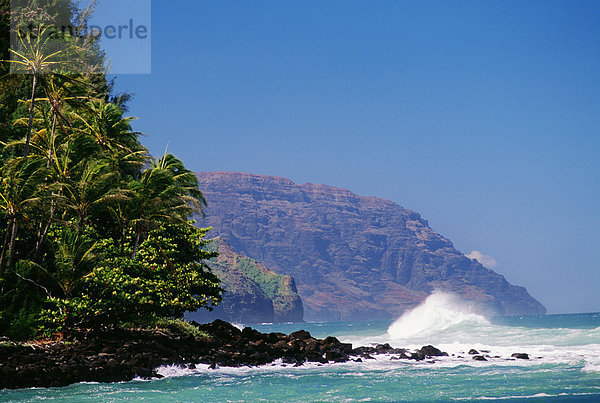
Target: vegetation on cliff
[[93, 230], [254, 294], [280, 288]]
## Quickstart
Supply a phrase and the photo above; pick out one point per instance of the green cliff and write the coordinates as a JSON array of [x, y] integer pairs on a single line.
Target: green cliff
[[253, 293]]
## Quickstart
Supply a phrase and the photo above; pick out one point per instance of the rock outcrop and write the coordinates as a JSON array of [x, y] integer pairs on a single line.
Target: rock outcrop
[[121, 354], [352, 257], [253, 293]]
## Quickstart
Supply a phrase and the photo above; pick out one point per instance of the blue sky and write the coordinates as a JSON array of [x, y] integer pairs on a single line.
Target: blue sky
[[484, 116]]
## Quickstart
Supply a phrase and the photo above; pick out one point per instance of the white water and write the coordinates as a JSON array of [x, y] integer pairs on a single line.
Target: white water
[[455, 327], [565, 363], [438, 312]]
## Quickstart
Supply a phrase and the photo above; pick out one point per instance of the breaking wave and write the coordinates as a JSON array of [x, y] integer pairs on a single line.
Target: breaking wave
[[440, 311]]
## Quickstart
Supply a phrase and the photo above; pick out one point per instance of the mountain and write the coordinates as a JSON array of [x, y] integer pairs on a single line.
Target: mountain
[[352, 257], [253, 293]]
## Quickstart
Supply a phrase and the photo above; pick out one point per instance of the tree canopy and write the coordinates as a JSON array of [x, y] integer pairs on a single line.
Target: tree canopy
[[94, 231]]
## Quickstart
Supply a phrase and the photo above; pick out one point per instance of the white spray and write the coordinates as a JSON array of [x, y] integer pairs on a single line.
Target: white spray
[[438, 312]]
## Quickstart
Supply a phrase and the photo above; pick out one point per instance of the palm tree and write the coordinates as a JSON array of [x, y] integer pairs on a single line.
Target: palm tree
[[166, 193], [93, 187], [19, 191], [106, 124], [35, 58], [74, 259], [111, 131], [46, 143]]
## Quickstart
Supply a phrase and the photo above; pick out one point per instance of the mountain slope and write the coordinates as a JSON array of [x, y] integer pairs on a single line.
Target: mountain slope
[[253, 293], [352, 257]]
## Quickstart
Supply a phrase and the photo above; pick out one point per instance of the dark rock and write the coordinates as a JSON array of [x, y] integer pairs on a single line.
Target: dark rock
[[312, 345], [289, 359], [274, 337], [430, 351], [521, 356], [402, 353], [120, 355], [336, 356], [479, 358], [362, 350], [330, 340], [251, 334], [300, 335], [313, 356], [384, 348], [145, 373], [417, 355], [281, 344], [345, 348], [221, 329], [473, 351]]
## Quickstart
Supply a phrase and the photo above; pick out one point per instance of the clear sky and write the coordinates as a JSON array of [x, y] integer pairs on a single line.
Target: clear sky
[[484, 116]]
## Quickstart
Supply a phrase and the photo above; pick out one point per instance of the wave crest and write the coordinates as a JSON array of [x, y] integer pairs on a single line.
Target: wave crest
[[440, 311]]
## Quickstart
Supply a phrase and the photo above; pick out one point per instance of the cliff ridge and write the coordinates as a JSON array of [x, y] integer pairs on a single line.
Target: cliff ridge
[[353, 257]]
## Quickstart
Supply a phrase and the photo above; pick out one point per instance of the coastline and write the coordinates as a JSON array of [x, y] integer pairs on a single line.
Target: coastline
[[122, 355]]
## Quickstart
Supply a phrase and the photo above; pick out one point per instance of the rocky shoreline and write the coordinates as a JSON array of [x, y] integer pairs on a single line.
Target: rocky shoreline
[[122, 355]]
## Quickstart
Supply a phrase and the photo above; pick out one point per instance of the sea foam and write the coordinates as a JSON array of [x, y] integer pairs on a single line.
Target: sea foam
[[440, 311]]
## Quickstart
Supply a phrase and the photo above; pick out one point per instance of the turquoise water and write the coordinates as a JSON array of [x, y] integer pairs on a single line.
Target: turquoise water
[[565, 365]]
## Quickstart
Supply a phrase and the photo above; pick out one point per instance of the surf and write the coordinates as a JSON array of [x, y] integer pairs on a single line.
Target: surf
[[439, 312]]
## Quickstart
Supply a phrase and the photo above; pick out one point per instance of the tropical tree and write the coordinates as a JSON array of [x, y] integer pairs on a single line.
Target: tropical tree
[[34, 57], [19, 191], [167, 193], [93, 231], [168, 278], [111, 131], [92, 187]]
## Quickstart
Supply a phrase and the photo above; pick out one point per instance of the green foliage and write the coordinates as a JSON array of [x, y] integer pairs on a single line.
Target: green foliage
[[180, 327], [271, 283], [21, 325], [93, 231], [166, 279], [21, 303]]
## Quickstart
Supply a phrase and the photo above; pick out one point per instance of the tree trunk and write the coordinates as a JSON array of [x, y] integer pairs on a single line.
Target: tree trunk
[[41, 240], [3, 252], [80, 220], [135, 245], [51, 141], [30, 123], [13, 237], [42, 235], [122, 241]]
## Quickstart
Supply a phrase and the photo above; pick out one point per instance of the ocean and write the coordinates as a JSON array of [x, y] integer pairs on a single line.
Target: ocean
[[564, 364]]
